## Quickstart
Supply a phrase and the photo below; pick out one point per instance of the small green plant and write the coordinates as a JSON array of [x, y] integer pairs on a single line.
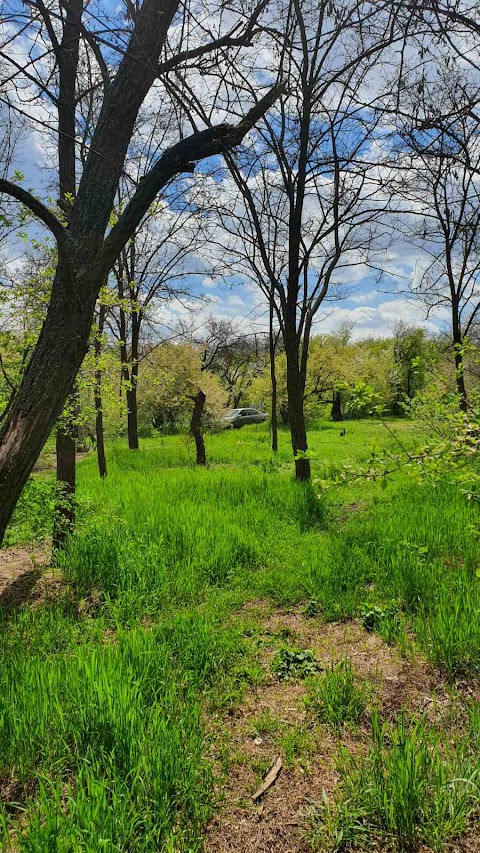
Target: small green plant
[[385, 621], [336, 698], [373, 617], [270, 466], [294, 663], [312, 608], [296, 742], [265, 723]]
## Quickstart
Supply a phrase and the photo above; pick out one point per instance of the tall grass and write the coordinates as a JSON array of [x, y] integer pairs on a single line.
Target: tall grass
[[409, 789], [161, 537], [336, 698], [109, 740], [102, 690], [422, 552]]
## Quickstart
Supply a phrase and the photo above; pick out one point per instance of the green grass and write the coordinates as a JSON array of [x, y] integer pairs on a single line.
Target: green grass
[[118, 727], [336, 698], [409, 789], [104, 691]]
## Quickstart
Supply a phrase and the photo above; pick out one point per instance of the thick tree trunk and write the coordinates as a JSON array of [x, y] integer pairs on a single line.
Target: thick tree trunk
[[132, 417], [273, 381], [196, 426], [97, 393], [296, 415], [64, 515], [336, 412], [39, 401]]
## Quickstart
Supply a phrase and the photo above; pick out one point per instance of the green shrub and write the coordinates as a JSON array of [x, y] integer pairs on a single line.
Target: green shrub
[[32, 518]]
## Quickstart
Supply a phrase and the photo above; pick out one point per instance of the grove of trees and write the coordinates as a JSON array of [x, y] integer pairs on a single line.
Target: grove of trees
[[291, 147]]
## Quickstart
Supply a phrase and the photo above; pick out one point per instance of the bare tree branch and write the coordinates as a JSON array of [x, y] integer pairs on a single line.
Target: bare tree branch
[[39, 210]]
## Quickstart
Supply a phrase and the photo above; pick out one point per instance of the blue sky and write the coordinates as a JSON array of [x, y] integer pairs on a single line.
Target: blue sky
[[371, 310]]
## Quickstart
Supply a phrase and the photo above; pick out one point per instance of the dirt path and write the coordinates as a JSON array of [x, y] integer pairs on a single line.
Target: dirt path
[[20, 570], [273, 720]]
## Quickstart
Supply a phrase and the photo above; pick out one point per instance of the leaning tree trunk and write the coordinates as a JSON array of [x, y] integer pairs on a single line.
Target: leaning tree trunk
[[63, 341], [97, 393], [273, 381], [84, 254], [196, 426], [40, 399]]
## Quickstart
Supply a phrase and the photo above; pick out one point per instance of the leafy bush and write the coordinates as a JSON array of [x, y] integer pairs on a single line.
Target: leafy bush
[[32, 519]]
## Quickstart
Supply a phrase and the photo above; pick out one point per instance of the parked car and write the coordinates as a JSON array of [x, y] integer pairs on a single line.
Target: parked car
[[239, 417]]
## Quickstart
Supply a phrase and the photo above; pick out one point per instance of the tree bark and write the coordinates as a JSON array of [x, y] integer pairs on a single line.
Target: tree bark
[[460, 380], [129, 362], [64, 515], [336, 411], [99, 433], [67, 54], [459, 362], [132, 420], [97, 393], [48, 379], [273, 381], [196, 426], [296, 415], [132, 389]]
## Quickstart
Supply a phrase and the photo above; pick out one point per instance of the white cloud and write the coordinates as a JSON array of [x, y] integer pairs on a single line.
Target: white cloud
[[363, 298], [209, 282], [379, 320]]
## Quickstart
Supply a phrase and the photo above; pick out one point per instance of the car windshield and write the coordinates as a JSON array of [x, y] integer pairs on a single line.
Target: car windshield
[[233, 412]]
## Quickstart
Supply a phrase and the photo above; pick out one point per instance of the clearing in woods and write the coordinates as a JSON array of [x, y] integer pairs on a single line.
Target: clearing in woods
[[205, 626]]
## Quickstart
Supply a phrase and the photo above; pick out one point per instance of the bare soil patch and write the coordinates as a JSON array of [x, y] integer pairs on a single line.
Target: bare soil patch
[[278, 823], [22, 576]]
